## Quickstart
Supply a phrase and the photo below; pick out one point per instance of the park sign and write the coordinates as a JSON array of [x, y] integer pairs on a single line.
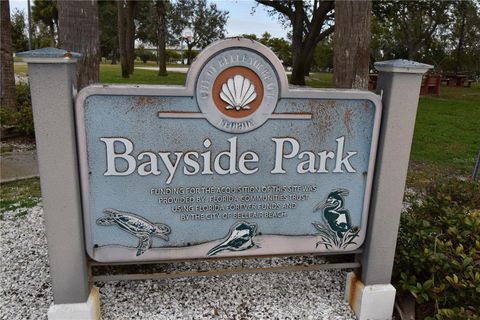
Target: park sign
[[234, 163]]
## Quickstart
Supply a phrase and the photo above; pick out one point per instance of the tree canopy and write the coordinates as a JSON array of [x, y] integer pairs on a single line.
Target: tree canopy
[[205, 20], [107, 22], [281, 47], [410, 26], [19, 31], [442, 33], [45, 16], [310, 22]]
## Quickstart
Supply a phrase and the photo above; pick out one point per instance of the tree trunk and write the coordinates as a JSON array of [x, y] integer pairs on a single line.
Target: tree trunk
[[306, 32], [413, 50], [352, 43], [78, 32], [308, 62], [162, 34], [298, 67], [121, 38], [52, 36], [29, 17], [189, 52], [130, 35], [114, 55], [461, 38], [7, 75], [298, 53]]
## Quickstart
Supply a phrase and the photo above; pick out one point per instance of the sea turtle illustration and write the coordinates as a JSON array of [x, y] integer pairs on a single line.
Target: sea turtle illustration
[[238, 239], [134, 224], [337, 218]]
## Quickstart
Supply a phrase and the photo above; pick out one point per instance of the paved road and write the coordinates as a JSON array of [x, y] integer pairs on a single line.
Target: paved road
[[18, 165], [178, 69], [171, 69]]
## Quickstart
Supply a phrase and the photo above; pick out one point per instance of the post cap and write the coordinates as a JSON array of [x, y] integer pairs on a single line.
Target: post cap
[[402, 66], [49, 55]]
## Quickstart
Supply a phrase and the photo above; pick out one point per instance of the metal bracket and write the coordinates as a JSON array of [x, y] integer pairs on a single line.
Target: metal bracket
[[339, 261]]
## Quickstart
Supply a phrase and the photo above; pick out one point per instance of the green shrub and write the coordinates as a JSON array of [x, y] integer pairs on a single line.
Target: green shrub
[[146, 56], [22, 117], [438, 250], [173, 56]]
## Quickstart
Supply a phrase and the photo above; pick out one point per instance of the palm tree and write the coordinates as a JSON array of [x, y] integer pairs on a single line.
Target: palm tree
[[78, 32], [7, 76]]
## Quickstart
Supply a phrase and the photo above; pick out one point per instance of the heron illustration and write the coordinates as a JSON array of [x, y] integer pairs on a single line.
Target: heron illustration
[[335, 215]]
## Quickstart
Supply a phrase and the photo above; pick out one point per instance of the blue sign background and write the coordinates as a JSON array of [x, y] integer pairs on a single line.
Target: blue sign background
[[135, 118]]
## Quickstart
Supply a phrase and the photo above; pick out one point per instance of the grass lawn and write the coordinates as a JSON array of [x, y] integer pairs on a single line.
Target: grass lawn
[[154, 64], [111, 74], [20, 194], [447, 131], [20, 68], [447, 134], [320, 80]]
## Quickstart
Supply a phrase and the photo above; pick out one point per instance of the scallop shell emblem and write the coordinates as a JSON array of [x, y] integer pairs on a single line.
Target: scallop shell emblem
[[238, 92]]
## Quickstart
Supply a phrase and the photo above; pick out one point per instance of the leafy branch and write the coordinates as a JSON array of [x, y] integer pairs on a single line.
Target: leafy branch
[[330, 240]]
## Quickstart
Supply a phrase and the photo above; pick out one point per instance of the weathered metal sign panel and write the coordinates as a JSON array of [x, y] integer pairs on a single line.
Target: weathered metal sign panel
[[233, 164]]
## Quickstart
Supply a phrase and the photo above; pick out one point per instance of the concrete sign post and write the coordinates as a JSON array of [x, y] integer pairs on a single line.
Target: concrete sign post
[[371, 295], [51, 73], [235, 163]]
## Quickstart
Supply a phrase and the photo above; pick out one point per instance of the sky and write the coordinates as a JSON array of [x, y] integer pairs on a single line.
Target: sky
[[240, 19]]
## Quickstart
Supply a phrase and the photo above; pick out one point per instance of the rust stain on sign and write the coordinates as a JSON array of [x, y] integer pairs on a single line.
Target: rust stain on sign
[[141, 102], [367, 105], [355, 291], [321, 117], [347, 119]]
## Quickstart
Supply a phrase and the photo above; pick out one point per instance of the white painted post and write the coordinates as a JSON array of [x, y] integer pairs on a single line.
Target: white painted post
[[51, 74], [372, 296]]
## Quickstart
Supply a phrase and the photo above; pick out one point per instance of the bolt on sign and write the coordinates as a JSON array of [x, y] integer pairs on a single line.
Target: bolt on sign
[[234, 163]]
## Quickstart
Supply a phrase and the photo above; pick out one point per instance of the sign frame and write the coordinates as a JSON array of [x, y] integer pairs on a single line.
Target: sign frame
[[189, 90]]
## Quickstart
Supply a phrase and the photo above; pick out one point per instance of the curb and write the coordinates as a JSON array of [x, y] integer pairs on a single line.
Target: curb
[[18, 179]]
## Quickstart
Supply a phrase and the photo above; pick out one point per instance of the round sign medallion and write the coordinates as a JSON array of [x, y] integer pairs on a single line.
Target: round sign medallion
[[237, 90]]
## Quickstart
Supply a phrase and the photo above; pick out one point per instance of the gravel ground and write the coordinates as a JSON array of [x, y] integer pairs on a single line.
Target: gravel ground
[[26, 291]]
